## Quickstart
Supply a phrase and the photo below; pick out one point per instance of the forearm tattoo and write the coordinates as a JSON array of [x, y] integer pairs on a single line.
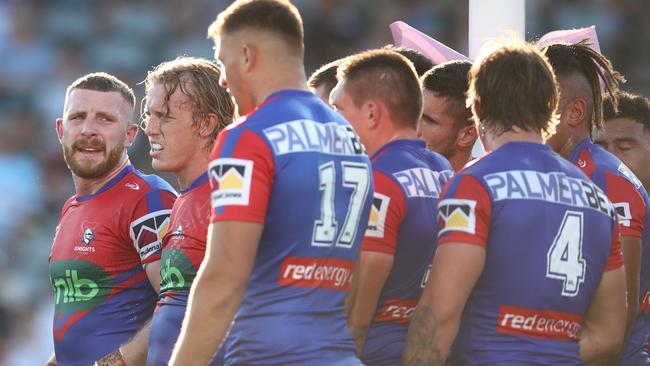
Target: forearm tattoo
[[112, 359], [420, 349]]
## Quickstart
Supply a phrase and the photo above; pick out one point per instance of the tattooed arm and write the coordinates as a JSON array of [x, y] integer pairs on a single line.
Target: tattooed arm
[[455, 270]]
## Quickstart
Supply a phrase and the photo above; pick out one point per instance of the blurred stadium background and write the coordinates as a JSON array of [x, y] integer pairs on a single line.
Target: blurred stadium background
[[46, 44]]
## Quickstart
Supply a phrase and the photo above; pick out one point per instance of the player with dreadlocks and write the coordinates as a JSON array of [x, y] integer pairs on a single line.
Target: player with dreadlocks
[[579, 70]]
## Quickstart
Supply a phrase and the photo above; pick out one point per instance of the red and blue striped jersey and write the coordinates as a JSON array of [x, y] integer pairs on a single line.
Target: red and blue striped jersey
[[297, 167], [630, 200], [549, 235], [102, 295], [408, 183]]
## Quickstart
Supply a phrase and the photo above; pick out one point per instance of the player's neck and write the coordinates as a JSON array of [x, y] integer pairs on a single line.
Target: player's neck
[[494, 142], [192, 171], [280, 78], [86, 187], [460, 159], [388, 136], [572, 144]]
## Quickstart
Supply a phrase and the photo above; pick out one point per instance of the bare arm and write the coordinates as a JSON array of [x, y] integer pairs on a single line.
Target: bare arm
[[217, 290], [455, 270], [52, 360], [153, 273], [371, 273], [632, 257], [603, 328]]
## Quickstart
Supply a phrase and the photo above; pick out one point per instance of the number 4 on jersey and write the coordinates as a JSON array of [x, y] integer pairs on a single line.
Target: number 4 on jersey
[[564, 257], [355, 176]]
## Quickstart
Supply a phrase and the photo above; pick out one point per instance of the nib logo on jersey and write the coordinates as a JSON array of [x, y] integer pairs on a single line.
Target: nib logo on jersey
[[457, 215], [177, 271], [148, 231], [74, 285], [231, 181], [85, 243]]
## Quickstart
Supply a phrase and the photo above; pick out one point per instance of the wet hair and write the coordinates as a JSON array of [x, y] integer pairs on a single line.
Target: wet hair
[[578, 58], [198, 80]]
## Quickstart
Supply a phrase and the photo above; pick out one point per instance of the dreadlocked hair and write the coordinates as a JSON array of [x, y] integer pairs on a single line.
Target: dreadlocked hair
[[567, 59]]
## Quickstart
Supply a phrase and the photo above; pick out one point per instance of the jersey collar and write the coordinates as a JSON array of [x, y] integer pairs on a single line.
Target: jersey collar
[[200, 180], [109, 184]]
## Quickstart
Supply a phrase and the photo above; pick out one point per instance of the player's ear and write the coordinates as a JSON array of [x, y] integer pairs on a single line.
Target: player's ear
[[576, 112], [59, 129], [373, 112], [467, 136], [208, 124], [131, 133], [248, 56]]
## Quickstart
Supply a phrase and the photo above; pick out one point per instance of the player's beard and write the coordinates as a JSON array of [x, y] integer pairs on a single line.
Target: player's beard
[[88, 169]]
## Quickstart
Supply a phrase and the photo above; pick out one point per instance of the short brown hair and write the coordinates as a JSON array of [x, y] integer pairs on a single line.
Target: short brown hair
[[632, 106], [325, 75], [579, 58], [421, 63], [276, 16], [387, 76], [515, 87], [451, 80], [198, 79], [103, 82]]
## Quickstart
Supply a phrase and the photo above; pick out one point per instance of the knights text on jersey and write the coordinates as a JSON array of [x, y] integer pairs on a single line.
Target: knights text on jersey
[[532, 211], [631, 202], [182, 254], [297, 167], [408, 183], [101, 291]]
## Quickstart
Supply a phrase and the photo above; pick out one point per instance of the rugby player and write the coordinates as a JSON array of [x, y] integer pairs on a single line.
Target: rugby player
[[528, 268], [323, 80], [184, 110], [291, 195], [579, 71], [446, 124], [379, 93], [104, 263]]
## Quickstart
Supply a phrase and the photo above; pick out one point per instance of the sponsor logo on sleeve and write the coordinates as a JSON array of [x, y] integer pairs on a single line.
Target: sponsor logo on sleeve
[[535, 323], [377, 219], [623, 213], [231, 181], [148, 231], [627, 173], [457, 215]]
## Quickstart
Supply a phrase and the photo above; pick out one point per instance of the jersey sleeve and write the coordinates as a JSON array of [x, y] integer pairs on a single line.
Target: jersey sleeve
[[464, 212], [150, 223], [629, 204], [386, 215], [615, 259], [241, 175]]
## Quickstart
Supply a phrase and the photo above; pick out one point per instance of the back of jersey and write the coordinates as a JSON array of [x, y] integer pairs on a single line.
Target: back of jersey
[[549, 235], [297, 167]]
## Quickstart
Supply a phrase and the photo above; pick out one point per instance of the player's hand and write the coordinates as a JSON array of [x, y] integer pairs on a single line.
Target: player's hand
[[114, 358]]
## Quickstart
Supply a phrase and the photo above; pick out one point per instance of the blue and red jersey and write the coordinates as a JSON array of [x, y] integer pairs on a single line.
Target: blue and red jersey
[[102, 295], [408, 182], [549, 235], [298, 168], [182, 254], [631, 202]]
